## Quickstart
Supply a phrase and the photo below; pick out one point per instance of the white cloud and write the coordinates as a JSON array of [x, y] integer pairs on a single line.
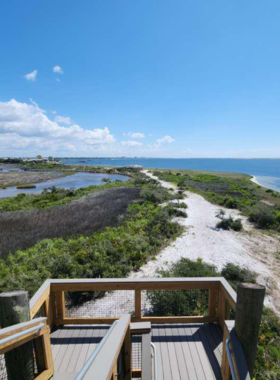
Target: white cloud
[[31, 76], [57, 79], [26, 126], [63, 120], [57, 69], [135, 135], [164, 140], [131, 143]]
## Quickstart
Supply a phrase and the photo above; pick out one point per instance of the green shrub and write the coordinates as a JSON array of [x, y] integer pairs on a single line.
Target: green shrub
[[175, 212], [263, 216], [235, 274], [228, 223], [178, 205]]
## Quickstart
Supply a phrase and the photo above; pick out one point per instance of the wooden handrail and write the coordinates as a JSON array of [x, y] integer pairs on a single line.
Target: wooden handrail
[[105, 363], [220, 292], [17, 335]]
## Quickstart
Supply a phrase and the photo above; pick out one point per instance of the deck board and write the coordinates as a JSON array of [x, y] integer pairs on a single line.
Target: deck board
[[184, 351]]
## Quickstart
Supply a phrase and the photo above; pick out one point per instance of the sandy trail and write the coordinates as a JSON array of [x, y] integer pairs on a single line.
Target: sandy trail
[[250, 248]]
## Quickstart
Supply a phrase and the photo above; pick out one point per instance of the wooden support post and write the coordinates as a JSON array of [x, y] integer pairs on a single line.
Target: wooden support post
[[138, 304], [60, 307], [14, 308], [212, 304], [221, 310], [127, 355], [249, 308]]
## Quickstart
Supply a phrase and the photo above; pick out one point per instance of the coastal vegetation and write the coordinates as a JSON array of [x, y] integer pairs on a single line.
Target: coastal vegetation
[[88, 214], [53, 197], [267, 364], [143, 230], [230, 190], [228, 223]]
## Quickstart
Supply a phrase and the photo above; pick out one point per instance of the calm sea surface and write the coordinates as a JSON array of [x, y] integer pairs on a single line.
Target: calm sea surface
[[266, 171]]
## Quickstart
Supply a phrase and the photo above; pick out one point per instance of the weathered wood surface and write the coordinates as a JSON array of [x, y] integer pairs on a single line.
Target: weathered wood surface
[[14, 309], [184, 351], [249, 306]]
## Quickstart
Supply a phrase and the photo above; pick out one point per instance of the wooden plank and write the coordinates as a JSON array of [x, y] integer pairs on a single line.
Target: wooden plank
[[187, 354], [208, 372], [170, 320], [155, 339], [6, 347], [137, 300], [228, 292], [39, 298], [95, 340], [84, 348], [127, 354], [19, 327], [172, 353], [46, 375], [139, 328], [65, 343], [179, 353], [76, 348], [199, 372], [209, 346], [60, 307], [146, 365], [82, 287], [213, 294], [104, 363], [166, 367]]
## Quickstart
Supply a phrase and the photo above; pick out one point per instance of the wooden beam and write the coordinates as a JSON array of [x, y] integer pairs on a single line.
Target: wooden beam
[[137, 301], [146, 366], [60, 306], [212, 305]]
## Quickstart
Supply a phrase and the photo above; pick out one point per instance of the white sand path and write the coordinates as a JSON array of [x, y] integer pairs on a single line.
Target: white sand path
[[250, 249]]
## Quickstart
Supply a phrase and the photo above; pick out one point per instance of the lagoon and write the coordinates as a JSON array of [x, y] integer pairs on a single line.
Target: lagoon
[[75, 181]]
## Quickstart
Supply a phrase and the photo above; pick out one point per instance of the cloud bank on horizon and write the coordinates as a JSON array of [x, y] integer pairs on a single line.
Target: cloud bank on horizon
[[26, 130]]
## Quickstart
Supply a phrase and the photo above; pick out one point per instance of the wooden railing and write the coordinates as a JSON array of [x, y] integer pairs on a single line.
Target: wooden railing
[[113, 359], [50, 299], [37, 331]]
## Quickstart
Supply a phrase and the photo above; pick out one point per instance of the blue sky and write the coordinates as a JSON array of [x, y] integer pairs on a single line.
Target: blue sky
[[150, 78]]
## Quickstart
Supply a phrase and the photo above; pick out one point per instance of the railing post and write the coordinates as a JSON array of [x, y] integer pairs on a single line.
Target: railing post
[[221, 309], [212, 305], [249, 308], [127, 357], [137, 304], [60, 307], [14, 308]]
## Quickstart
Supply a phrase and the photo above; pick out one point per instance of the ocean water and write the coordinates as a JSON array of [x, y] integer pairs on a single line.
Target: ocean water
[[266, 171]]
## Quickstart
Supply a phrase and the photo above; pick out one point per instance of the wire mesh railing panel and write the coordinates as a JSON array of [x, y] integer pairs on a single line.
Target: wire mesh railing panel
[[99, 303], [3, 372], [136, 353], [163, 303]]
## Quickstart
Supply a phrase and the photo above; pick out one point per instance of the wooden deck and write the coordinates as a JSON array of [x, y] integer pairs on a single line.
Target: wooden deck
[[184, 351]]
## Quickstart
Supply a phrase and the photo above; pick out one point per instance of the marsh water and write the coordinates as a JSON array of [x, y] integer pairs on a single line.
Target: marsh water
[[74, 181]]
